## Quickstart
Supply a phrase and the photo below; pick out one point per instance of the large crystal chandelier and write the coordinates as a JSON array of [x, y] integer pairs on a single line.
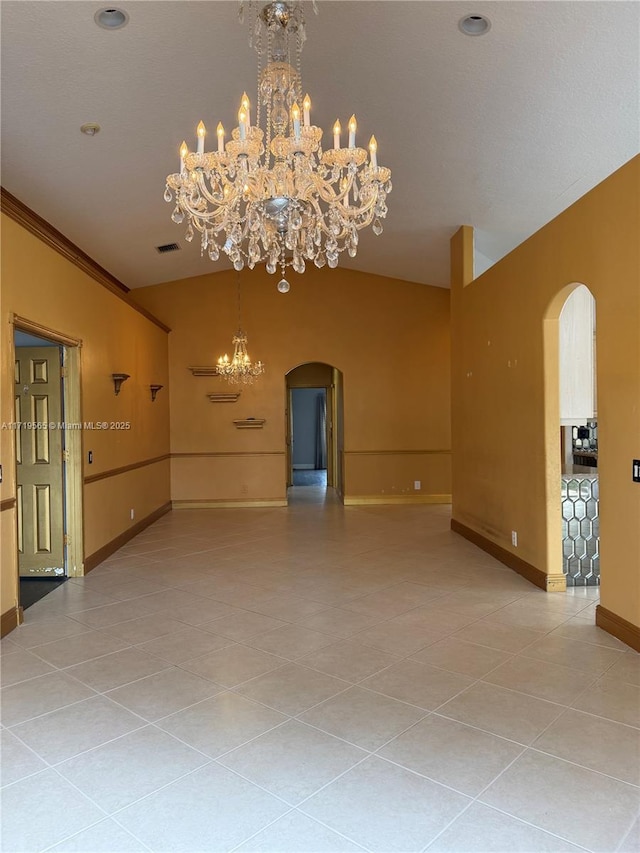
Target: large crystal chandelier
[[240, 368], [271, 194]]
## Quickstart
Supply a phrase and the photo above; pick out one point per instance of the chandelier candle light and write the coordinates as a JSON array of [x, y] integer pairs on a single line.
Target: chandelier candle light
[[239, 368], [272, 195]]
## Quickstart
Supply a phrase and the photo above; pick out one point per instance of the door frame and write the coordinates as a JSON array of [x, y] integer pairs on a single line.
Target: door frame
[[328, 430], [72, 479], [334, 424]]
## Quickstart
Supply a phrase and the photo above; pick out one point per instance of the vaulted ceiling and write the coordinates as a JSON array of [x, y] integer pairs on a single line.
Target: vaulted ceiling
[[502, 131]]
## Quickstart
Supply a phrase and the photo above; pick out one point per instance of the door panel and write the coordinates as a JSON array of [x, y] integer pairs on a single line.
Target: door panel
[[39, 462], [40, 451], [42, 518], [18, 420]]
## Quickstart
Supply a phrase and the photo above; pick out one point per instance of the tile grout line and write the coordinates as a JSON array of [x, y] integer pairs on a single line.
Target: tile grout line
[[349, 684]]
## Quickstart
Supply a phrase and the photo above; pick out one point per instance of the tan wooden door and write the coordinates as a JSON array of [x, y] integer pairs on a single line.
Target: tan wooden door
[[39, 462]]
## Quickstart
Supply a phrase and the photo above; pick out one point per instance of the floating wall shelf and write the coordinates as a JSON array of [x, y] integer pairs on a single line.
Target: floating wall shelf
[[250, 423], [203, 371], [224, 398]]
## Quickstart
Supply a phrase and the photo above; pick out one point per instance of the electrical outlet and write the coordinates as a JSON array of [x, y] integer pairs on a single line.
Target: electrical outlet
[[132, 513], [635, 474], [417, 485], [514, 538], [90, 455]]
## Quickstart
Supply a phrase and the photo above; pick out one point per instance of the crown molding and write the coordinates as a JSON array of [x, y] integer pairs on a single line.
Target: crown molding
[[44, 231]]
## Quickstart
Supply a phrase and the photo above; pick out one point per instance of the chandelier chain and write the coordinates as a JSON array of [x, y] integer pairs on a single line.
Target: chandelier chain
[[239, 301], [259, 50]]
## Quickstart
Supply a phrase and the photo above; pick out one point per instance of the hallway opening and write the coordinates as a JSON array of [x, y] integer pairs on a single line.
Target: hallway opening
[[313, 429], [573, 419]]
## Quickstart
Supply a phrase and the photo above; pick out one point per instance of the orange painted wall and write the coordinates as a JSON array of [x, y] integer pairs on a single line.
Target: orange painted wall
[[40, 285], [505, 403], [389, 338]]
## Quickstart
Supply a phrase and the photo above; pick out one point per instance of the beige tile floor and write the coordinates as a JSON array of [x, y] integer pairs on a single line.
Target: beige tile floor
[[316, 679]]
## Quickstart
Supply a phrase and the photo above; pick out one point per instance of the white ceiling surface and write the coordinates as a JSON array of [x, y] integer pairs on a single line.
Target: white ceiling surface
[[501, 132]]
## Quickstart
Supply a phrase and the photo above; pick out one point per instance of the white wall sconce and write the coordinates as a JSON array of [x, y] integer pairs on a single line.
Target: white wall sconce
[[154, 391], [118, 379]]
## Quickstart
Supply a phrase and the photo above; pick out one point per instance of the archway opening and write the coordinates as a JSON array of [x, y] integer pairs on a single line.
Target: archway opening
[[314, 430], [573, 428]]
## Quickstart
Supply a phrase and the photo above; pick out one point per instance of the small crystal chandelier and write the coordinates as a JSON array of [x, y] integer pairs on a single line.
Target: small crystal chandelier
[[239, 368], [271, 194]]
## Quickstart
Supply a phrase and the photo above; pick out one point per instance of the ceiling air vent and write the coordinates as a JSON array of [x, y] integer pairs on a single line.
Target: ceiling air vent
[[168, 247]]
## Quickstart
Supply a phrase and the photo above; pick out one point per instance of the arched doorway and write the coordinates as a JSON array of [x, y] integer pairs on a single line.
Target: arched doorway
[[572, 425], [314, 426]]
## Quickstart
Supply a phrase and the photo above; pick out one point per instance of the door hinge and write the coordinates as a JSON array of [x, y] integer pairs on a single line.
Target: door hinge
[[66, 539], [63, 372], [65, 455]]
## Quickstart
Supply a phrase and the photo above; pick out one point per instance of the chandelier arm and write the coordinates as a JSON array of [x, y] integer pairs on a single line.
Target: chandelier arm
[[327, 192], [320, 218], [365, 208], [370, 214], [208, 220], [197, 223], [216, 199], [210, 196], [191, 211], [360, 209]]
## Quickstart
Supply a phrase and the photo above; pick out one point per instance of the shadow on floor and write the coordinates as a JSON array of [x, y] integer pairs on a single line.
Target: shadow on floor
[[310, 478], [33, 589]]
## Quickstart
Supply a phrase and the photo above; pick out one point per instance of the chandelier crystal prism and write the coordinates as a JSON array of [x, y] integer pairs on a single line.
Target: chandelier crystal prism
[[271, 194]]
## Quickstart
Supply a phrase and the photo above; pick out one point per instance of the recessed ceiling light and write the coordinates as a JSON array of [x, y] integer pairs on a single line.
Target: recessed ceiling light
[[90, 129], [111, 18], [474, 25]]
